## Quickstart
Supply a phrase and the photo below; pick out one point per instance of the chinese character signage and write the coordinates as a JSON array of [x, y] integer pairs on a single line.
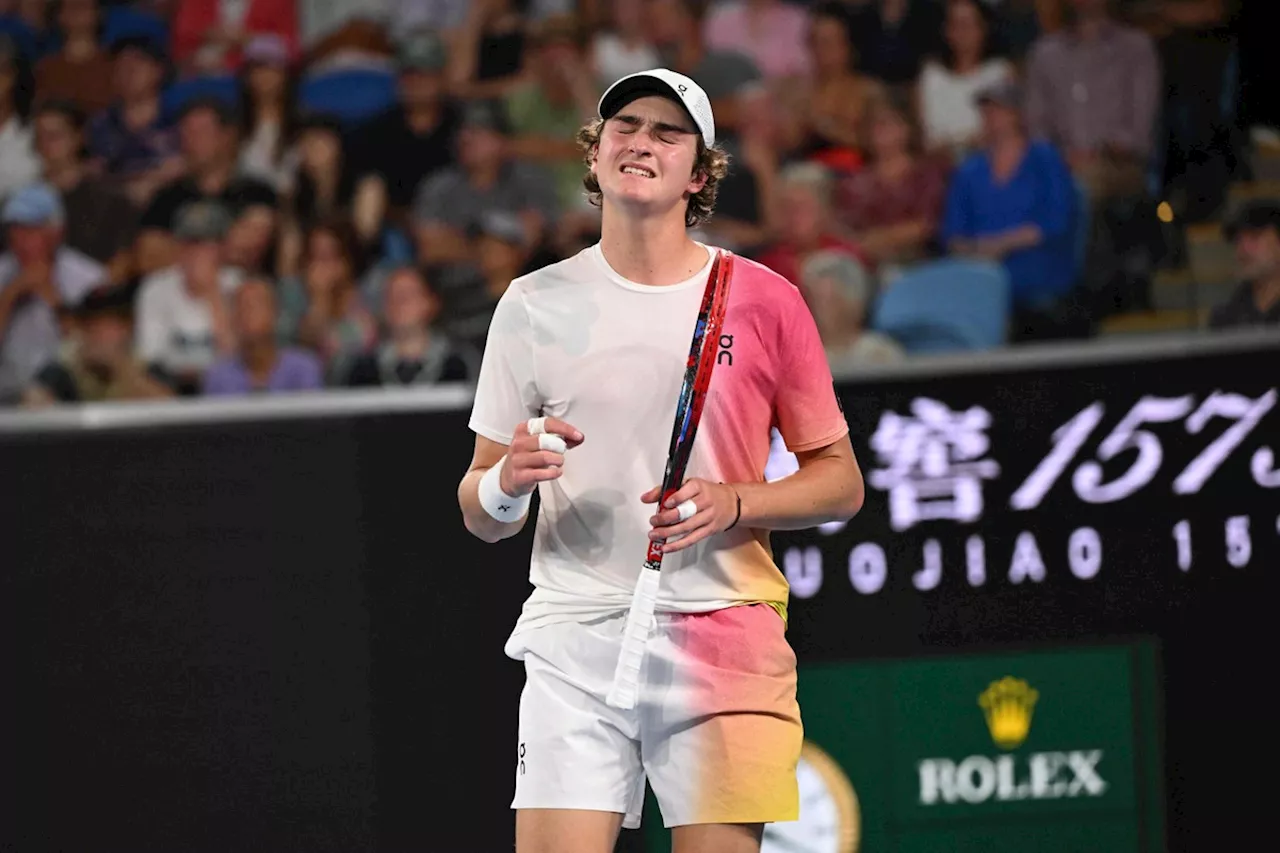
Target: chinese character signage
[[1000, 505]]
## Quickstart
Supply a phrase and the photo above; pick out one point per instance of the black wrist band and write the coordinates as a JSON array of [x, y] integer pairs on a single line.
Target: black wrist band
[[737, 517]]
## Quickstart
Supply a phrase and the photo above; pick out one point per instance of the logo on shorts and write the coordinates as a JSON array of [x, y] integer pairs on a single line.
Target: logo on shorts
[[520, 755], [725, 356]]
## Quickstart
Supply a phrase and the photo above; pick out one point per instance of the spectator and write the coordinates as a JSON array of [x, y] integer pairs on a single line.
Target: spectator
[[948, 86], [804, 220], [547, 110], [743, 214], [451, 204], [895, 37], [209, 36], [396, 151], [471, 292], [38, 277], [260, 363], [208, 136], [1014, 202], [80, 71], [892, 206], [18, 163], [267, 95], [101, 223], [344, 34], [838, 290], [770, 32], [323, 185], [323, 309], [183, 322], [1093, 89], [623, 47], [729, 79], [97, 361], [487, 54], [251, 241], [407, 16], [131, 142], [414, 353], [1255, 230], [836, 96]]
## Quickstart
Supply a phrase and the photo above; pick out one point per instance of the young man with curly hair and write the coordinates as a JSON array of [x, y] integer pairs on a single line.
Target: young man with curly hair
[[576, 397]]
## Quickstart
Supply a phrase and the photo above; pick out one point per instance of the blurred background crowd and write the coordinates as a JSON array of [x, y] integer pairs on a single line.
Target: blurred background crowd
[[205, 197]]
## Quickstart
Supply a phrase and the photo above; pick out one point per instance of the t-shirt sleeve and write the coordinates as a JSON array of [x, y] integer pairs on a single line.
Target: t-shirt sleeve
[[507, 389], [806, 410]]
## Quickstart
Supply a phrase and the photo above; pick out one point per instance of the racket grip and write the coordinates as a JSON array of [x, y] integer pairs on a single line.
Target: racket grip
[[625, 692]]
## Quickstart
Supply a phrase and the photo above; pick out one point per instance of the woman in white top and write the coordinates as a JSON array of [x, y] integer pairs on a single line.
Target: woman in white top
[[266, 106], [948, 86], [623, 47]]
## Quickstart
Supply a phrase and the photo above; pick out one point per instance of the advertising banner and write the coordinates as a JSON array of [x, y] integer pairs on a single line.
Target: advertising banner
[[1025, 752]]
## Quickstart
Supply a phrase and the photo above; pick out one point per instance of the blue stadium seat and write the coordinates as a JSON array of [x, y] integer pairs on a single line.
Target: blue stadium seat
[[951, 305], [221, 86], [122, 22], [353, 95]]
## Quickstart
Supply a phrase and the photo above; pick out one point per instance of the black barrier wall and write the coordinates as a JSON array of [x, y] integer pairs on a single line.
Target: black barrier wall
[[277, 635]]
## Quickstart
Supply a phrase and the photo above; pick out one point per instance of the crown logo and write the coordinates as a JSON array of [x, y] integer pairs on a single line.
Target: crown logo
[[1008, 705]]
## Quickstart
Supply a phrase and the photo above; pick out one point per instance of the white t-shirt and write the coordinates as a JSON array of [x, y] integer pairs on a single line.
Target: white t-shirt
[[174, 329], [577, 341], [949, 116]]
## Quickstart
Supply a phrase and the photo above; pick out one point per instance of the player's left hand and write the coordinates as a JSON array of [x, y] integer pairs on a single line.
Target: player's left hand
[[716, 507]]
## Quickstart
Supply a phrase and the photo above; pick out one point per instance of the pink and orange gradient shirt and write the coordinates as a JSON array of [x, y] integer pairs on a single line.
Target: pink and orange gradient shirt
[[577, 341]]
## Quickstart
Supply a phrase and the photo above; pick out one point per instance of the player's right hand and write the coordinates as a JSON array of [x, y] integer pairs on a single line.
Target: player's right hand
[[528, 464]]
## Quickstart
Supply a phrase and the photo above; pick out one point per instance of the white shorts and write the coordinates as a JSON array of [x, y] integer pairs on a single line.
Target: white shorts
[[716, 730]]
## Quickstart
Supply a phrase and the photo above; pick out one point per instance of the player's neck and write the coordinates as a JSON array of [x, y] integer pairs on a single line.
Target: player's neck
[[656, 251]]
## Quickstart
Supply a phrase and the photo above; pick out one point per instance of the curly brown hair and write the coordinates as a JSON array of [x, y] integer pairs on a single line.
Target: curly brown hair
[[711, 163]]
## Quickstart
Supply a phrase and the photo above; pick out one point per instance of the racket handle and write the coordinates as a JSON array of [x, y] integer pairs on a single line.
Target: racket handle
[[625, 692]]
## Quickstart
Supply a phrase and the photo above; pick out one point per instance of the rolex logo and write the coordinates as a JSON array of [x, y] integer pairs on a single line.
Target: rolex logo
[[1008, 705]]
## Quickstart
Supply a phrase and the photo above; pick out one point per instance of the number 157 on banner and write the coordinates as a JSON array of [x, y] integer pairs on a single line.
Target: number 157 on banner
[[1128, 435]]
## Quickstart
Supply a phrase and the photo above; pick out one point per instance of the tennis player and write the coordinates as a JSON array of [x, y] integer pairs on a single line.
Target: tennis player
[[576, 397]]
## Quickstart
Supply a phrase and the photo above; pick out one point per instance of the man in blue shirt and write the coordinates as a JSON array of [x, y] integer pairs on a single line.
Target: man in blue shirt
[[1016, 203]]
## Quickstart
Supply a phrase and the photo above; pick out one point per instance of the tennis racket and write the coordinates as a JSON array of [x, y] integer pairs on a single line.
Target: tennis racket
[[693, 394]]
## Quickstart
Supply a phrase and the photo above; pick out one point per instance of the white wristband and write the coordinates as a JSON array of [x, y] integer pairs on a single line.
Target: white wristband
[[498, 503]]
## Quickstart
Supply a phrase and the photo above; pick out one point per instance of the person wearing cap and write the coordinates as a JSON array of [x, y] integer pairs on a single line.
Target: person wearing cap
[[38, 277], [471, 292], [414, 351], [1014, 202], [97, 362], [393, 153], [183, 318], [131, 141], [486, 178], [1255, 231], [208, 132], [100, 220], [80, 71], [18, 163], [577, 389]]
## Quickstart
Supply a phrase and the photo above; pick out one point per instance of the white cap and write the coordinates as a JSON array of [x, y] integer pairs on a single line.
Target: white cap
[[661, 81]]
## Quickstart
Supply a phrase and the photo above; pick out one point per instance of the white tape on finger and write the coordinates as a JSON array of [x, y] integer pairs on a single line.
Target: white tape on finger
[[687, 510], [537, 426], [552, 442]]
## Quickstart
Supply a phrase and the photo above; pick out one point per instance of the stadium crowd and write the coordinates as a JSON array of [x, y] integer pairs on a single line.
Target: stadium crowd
[[234, 196]]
